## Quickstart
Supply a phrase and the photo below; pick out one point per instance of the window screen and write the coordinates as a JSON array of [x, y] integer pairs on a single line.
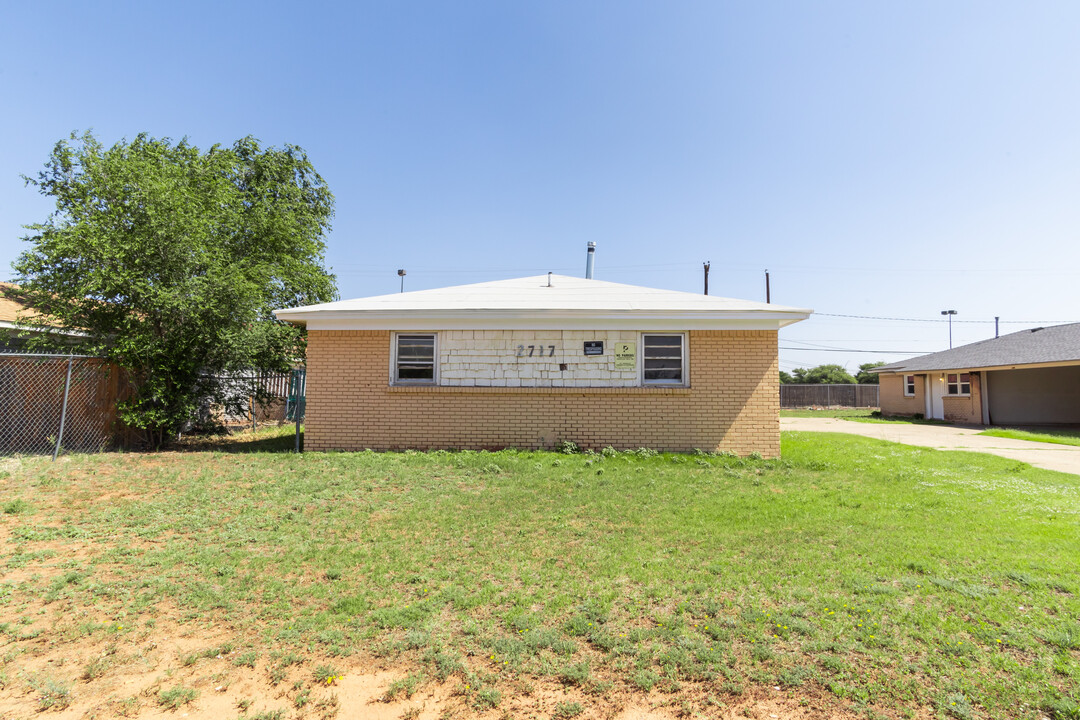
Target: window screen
[[662, 363], [415, 359]]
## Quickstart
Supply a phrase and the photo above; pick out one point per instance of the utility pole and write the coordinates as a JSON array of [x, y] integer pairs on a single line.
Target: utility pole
[[768, 295], [401, 274], [996, 318], [950, 313], [706, 277]]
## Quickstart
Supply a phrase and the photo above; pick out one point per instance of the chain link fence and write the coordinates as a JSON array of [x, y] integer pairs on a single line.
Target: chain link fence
[[68, 403], [56, 403]]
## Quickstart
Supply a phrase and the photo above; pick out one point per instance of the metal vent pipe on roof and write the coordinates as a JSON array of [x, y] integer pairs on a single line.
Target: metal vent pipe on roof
[[589, 260]]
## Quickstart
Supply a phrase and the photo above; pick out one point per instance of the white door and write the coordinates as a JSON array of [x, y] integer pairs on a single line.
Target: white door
[[937, 393]]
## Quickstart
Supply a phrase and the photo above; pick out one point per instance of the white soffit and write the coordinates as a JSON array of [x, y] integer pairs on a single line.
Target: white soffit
[[530, 303]]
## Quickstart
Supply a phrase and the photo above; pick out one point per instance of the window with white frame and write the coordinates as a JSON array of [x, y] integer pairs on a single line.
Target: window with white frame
[[662, 360], [958, 384], [909, 386], [414, 359]]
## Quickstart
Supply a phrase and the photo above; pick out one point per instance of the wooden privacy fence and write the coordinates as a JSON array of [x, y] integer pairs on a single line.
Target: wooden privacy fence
[[793, 396]]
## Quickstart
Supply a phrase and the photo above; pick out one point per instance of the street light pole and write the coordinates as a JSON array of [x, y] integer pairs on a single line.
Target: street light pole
[[950, 313]]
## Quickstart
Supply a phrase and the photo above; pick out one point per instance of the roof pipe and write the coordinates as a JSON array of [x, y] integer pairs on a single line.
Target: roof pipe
[[589, 260]]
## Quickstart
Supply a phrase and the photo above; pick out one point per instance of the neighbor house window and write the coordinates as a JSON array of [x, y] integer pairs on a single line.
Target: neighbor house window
[[909, 386], [414, 359], [958, 384], [662, 360]]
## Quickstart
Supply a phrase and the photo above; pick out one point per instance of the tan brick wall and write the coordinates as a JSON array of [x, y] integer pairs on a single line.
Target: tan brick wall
[[892, 399], [732, 403], [965, 409]]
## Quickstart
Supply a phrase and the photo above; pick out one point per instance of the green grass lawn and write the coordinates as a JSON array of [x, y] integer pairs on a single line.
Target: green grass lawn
[[1046, 435], [863, 415], [895, 578], [846, 413]]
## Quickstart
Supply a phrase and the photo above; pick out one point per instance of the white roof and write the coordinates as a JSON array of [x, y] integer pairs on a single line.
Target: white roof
[[531, 303]]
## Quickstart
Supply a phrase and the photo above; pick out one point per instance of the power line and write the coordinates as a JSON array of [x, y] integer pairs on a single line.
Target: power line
[[935, 320], [879, 352]]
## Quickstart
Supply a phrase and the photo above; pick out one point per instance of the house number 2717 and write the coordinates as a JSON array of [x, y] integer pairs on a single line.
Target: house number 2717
[[537, 350]]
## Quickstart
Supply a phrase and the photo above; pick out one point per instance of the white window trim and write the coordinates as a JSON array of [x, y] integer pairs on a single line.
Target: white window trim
[[685, 360], [393, 358], [904, 379], [959, 384]]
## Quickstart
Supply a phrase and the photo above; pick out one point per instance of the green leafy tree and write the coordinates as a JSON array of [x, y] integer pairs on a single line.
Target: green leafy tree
[[865, 376], [823, 374], [169, 260], [785, 378]]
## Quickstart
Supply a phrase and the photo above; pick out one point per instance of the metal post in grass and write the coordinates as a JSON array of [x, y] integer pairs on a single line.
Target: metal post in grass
[[296, 404], [63, 409]]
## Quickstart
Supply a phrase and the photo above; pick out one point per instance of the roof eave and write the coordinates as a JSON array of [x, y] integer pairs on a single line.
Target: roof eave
[[979, 368], [540, 319]]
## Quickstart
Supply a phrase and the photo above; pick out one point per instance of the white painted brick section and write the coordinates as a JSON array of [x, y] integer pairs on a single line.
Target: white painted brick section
[[490, 357]]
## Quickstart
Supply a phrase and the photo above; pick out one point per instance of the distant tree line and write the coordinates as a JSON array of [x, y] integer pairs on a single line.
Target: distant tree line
[[831, 375]]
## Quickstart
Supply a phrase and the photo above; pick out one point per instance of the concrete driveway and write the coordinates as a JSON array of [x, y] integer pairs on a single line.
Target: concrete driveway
[[1063, 458]]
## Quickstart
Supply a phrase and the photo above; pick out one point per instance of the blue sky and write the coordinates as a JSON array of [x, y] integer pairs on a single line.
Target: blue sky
[[888, 160]]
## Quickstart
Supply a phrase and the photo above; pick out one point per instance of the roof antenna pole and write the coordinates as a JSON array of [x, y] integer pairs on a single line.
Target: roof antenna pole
[[768, 295], [401, 274], [589, 260], [549, 279], [996, 318], [706, 277]]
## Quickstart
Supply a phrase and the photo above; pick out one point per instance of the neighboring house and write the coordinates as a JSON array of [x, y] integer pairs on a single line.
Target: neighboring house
[[535, 361], [12, 309], [32, 389], [1031, 377]]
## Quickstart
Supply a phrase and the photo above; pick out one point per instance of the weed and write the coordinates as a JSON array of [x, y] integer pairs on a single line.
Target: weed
[[486, 699], [278, 714], [246, 659], [567, 710], [16, 507], [575, 673], [645, 679], [176, 697], [406, 686], [52, 693], [96, 667], [326, 675], [126, 707], [289, 659], [957, 705]]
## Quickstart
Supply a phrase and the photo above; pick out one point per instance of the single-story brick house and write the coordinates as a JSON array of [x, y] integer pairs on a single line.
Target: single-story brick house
[[1031, 377], [534, 361]]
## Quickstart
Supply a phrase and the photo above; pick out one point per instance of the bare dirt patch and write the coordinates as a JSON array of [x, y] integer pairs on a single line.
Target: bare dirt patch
[[80, 663]]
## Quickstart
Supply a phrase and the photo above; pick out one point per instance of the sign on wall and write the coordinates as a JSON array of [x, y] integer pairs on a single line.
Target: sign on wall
[[625, 355], [594, 347]]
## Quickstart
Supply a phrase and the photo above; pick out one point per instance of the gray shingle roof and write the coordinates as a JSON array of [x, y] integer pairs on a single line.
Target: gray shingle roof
[[1058, 343]]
